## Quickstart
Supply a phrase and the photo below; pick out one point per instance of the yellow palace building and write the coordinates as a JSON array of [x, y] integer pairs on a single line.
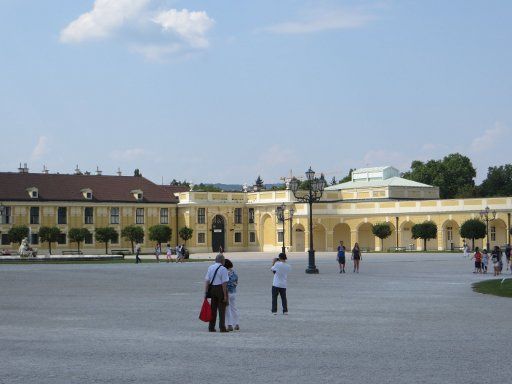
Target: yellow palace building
[[244, 221]]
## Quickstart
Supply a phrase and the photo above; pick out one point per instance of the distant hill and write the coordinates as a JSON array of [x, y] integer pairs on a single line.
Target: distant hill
[[239, 187]]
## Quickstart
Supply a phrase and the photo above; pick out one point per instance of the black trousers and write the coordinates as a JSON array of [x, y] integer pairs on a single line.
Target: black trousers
[[279, 291], [218, 304], [137, 258]]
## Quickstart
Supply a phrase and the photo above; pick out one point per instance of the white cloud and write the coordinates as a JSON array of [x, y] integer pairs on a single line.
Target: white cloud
[[128, 154], [105, 17], [190, 26], [489, 138], [317, 21], [183, 30], [41, 148]]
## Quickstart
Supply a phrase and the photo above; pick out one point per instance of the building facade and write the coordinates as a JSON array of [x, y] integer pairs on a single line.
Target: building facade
[[245, 221], [83, 201]]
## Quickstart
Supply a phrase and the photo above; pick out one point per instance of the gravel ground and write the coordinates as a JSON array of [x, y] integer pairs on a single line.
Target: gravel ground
[[409, 318]]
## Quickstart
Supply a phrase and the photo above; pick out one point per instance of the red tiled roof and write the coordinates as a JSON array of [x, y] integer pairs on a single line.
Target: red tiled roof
[[57, 187]]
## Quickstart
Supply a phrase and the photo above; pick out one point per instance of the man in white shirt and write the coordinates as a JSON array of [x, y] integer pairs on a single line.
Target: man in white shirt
[[280, 269], [216, 280]]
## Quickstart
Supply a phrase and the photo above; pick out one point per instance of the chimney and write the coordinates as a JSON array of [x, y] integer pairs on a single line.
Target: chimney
[[23, 169], [45, 170], [98, 172], [119, 173]]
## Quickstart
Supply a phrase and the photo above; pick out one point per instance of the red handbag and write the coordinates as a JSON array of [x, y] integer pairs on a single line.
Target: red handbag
[[206, 311]]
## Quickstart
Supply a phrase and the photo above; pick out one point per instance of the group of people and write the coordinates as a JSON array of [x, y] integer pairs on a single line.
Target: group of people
[[356, 257], [221, 282], [483, 258], [179, 250]]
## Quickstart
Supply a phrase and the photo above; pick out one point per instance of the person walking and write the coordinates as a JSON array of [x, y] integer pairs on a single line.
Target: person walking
[[168, 252], [232, 316], [478, 261], [280, 268], [356, 256], [496, 260], [179, 253], [158, 251], [216, 280], [137, 253], [485, 260], [465, 248], [341, 257], [508, 251]]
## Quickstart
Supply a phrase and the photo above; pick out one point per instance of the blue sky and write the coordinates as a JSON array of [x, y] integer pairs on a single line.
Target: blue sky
[[221, 91]]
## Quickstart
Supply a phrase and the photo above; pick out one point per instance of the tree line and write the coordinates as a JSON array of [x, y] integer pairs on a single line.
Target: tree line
[[454, 174], [132, 233]]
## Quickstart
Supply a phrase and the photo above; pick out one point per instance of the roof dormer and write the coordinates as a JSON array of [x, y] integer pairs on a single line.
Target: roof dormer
[[33, 192], [87, 193], [137, 194]]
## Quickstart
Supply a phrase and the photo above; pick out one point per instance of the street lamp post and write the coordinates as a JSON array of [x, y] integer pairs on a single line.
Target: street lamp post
[[282, 219], [486, 215], [314, 194]]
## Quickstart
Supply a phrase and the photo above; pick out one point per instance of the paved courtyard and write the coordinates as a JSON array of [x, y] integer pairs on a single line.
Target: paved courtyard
[[404, 319]]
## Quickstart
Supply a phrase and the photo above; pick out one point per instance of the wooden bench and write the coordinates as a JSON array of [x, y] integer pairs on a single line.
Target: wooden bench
[[72, 253], [121, 252]]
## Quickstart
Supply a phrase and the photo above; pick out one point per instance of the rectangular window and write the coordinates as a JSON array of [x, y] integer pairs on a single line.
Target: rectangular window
[[5, 239], [61, 239], [201, 238], [114, 215], [493, 233], [252, 237], [34, 238], [201, 216], [34, 215], [280, 236], [449, 233], [139, 216], [5, 217], [88, 238], [89, 215], [251, 215], [238, 215], [238, 237], [164, 215], [62, 215]]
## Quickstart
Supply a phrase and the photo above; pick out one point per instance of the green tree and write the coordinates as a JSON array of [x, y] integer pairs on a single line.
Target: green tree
[[498, 181], [49, 235], [206, 188], [382, 231], [185, 233], [134, 234], [334, 181], [17, 233], [104, 235], [137, 173], [348, 177], [454, 174], [425, 231], [259, 183], [160, 233], [77, 235], [473, 229]]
